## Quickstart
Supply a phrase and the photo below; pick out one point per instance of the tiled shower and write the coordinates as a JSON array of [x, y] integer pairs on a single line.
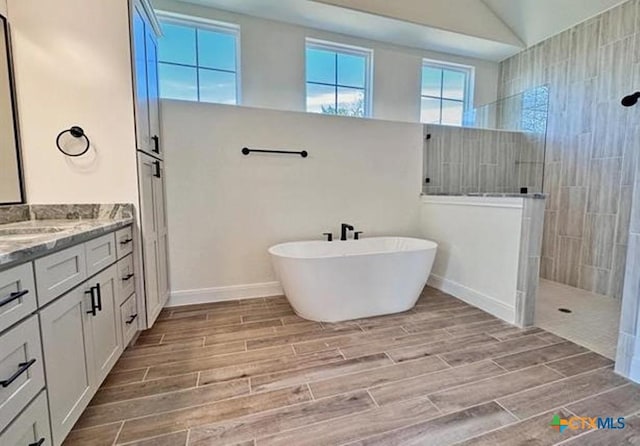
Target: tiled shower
[[590, 167], [592, 142]]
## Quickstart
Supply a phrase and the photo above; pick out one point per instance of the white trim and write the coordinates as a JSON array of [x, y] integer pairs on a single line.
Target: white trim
[[339, 47], [225, 293], [463, 200], [232, 29], [185, 19], [151, 15], [469, 88], [475, 298], [367, 53]]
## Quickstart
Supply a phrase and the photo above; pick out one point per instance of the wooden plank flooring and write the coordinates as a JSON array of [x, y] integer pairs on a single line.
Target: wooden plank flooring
[[252, 373]]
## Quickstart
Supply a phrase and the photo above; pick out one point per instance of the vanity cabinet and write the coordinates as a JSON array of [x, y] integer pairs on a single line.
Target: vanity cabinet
[[154, 234], [144, 32], [69, 338]]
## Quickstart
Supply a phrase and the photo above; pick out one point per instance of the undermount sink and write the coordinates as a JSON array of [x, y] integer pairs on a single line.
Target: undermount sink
[[29, 233]]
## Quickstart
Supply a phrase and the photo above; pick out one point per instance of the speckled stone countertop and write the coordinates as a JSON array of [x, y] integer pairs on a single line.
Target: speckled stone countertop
[[42, 229], [492, 195]]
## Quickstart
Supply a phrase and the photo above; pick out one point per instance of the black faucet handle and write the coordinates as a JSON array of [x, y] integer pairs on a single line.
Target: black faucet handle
[[329, 236], [356, 235]]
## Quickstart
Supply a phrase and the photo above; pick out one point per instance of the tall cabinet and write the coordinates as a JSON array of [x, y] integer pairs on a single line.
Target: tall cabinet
[[154, 233], [152, 207]]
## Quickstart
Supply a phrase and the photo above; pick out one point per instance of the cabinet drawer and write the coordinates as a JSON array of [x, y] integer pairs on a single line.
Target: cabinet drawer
[[17, 295], [124, 241], [126, 278], [21, 369], [31, 427], [59, 272], [100, 253], [129, 315]]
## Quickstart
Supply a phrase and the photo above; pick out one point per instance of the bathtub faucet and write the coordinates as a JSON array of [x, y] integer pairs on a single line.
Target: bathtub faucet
[[343, 230]]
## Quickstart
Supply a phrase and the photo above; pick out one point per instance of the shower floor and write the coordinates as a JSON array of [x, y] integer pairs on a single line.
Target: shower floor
[[592, 323]]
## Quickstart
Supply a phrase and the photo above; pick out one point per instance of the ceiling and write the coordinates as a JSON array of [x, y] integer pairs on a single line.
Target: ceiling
[[536, 20], [485, 29]]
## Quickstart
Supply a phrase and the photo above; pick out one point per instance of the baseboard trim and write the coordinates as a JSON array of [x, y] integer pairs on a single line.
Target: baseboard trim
[[475, 298], [225, 293]]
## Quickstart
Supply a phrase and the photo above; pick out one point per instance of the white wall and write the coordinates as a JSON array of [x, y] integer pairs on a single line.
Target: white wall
[[225, 209], [478, 252], [3, 7], [72, 64], [273, 65]]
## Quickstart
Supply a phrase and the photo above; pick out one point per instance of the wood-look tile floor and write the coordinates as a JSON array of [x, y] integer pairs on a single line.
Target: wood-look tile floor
[[253, 373]]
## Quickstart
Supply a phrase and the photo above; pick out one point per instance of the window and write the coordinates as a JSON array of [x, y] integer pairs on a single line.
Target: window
[[446, 93], [535, 109], [198, 61], [338, 79]]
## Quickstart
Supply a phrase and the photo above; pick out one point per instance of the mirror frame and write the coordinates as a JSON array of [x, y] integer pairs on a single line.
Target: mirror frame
[[14, 108]]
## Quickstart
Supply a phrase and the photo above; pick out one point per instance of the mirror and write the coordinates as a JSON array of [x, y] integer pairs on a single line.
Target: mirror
[[11, 187]]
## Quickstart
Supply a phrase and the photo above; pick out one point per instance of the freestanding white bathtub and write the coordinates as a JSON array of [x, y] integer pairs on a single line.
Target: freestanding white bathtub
[[342, 280]]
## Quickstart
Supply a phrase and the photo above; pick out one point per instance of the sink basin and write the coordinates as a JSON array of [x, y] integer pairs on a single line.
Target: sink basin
[[20, 237], [29, 232]]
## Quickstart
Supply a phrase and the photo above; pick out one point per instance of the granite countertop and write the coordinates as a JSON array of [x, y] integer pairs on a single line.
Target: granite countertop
[[25, 240], [491, 194]]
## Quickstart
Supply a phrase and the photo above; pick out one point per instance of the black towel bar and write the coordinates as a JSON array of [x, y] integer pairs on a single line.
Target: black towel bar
[[247, 151]]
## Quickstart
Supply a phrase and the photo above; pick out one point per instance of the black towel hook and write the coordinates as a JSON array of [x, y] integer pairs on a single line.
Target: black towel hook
[[76, 132], [630, 100]]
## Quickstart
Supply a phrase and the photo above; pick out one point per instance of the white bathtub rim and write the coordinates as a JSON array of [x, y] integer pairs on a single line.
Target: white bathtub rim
[[427, 246]]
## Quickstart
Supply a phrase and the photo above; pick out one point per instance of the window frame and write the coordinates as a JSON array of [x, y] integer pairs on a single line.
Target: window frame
[[334, 47], [207, 25], [467, 101]]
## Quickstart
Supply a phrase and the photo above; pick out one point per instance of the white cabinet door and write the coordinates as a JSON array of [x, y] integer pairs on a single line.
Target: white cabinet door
[[69, 364], [139, 37], [145, 49], [153, 92], [106, 332], [162, 235], [148, 167]]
